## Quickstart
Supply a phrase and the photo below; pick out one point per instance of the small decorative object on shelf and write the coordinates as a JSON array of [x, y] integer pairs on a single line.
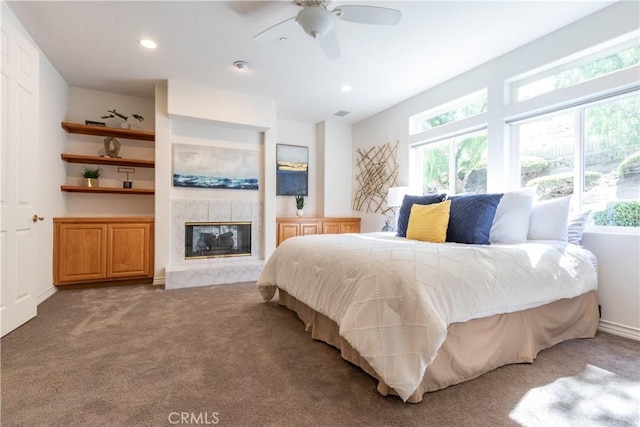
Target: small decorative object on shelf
[[91, 175], [111, 147], [124, 120], [299, 205], [127, 183], [92, 123]]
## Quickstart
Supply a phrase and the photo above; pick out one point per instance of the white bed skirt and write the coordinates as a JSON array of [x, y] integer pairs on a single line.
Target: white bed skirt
[[476, 346]]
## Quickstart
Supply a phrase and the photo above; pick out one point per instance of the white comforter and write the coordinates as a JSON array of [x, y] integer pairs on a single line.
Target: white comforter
[[393, 298]]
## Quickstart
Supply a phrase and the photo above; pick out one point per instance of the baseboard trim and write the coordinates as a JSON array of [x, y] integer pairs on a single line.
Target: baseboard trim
[[620, 330], [159, 280], [46, 294]]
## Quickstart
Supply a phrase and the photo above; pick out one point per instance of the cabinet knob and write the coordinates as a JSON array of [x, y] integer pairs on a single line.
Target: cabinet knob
[[36, 218]]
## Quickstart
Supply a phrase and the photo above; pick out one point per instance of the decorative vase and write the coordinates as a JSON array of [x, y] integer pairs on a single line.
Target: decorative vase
[[111, 146], [125, 125], [299, 212], [91, 182], [387, 227]]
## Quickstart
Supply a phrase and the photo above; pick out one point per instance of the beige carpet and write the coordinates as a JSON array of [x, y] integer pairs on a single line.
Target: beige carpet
[[139, 355]]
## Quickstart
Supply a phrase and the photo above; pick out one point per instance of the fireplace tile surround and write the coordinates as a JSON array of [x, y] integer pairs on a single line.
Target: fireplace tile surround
[[185, 273]]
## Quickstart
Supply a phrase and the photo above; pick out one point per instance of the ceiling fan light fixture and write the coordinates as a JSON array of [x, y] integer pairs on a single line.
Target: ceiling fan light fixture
[[316, 21]]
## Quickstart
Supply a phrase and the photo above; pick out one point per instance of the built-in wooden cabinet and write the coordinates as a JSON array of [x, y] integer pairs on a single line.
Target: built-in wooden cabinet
[[291, 227], [140, 135], [90, 250]]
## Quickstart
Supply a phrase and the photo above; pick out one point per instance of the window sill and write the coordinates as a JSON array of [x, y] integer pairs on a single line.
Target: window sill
[[601, 229]]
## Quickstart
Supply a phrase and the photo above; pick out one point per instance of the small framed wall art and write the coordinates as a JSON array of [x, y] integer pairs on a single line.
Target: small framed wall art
[[292, 174]]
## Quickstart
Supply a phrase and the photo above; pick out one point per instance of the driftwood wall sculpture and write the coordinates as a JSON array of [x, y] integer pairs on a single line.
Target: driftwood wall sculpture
[[377, 170]]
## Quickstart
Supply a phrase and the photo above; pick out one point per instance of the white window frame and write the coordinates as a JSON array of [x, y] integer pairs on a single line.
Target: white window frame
[[416, 120], [416, 177], [579, 155], [589, 55]]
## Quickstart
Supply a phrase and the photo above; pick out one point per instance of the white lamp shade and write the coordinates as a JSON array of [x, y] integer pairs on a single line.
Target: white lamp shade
[[395, 195], [316, 21]]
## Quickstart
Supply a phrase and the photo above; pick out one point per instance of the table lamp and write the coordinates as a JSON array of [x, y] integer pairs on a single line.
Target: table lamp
[[395, 195]]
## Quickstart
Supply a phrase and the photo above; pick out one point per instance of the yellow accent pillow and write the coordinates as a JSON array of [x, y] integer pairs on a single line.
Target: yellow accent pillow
[[428, 223]]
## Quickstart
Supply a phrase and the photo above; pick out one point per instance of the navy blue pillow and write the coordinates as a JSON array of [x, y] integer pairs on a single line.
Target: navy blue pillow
[[405, 209], [471, 217]]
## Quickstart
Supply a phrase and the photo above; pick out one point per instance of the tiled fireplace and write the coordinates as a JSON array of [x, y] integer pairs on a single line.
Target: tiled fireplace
[[215, 242]]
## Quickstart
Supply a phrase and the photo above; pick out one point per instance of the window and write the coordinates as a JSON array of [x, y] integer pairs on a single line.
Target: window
[[623, 57], [462, 108], [455, 165], [597, 142]]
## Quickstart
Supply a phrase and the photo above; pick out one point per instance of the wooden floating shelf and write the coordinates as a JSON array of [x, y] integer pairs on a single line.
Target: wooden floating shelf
[[143, 135], [106, 190], [113, 161]]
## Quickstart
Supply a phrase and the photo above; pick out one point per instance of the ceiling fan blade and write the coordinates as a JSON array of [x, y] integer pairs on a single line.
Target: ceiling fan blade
[[273, 31], [255, 7], [330, 45], [368, 14]]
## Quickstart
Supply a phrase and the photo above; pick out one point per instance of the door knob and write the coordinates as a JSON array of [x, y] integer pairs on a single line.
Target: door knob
[[36, 218]]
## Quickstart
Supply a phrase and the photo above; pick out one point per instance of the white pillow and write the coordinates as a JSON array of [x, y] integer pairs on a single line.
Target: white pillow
[[549, 220], [575, 226], [511, 223]]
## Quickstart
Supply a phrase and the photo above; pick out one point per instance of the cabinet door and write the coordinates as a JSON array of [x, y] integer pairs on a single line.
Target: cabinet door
[[350, 227], [286, 230], [128, 250], [307, 228], [80, 252], [331, 227]]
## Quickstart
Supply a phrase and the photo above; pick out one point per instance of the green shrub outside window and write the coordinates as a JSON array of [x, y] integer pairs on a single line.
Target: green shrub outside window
[[624, 213]]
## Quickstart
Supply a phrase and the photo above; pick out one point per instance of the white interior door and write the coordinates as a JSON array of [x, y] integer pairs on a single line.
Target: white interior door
[[19, 93]]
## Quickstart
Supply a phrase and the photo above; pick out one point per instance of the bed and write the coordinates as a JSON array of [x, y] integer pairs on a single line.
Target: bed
[[421, 316]]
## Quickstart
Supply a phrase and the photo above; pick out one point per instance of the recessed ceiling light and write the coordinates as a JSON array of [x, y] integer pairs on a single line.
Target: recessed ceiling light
[[241, 65], [346, 88], [149, 44]]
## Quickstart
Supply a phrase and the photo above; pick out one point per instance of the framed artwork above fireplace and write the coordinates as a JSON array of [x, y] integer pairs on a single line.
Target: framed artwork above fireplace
[[205, 166]]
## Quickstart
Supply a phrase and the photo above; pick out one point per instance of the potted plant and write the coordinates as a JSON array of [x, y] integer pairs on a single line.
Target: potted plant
[[91, 175], [124, 120], [299, 205]]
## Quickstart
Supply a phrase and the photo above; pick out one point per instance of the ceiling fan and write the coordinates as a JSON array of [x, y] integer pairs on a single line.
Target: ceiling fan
[[319, 22]]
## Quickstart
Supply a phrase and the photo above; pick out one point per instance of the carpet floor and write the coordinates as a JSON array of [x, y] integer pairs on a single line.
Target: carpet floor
[[140, 355]]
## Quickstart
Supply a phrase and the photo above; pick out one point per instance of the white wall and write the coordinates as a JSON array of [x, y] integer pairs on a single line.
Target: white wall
[[163, 183], [393, 124], [335, 162], [51, 170], [292, 132], [618, 280], [220, 106]]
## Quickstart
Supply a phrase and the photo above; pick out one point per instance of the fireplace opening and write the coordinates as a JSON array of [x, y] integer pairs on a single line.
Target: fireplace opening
[[217, 239]]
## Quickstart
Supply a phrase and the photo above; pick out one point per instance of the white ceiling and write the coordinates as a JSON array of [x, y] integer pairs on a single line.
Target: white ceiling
[[94, 45]]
